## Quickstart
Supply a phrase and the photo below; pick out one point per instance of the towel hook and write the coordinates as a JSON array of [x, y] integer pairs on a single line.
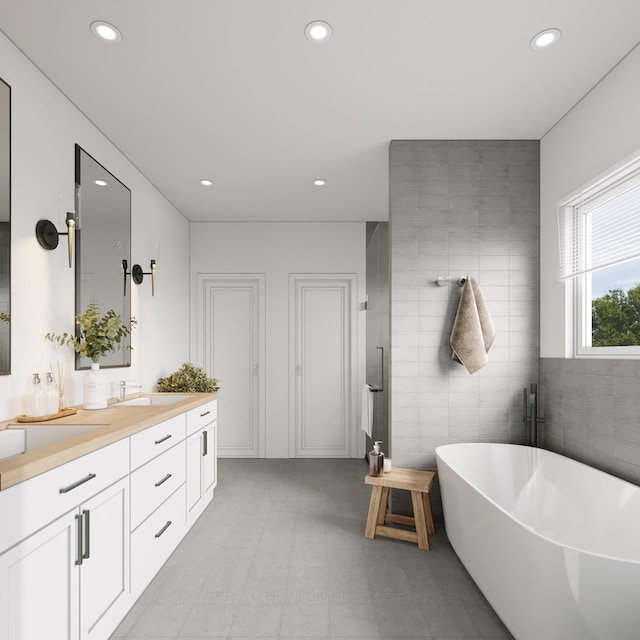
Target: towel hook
[[443, 281]]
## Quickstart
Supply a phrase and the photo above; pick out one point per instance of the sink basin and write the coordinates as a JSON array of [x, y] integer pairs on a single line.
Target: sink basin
[[11, 443], [160, 400], [21, 438]]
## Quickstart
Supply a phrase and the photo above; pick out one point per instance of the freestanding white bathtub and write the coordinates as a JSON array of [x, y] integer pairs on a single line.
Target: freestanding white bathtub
[[553, 544]]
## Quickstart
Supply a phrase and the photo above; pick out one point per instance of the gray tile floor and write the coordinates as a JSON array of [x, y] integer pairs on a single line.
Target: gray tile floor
[[280, 553]]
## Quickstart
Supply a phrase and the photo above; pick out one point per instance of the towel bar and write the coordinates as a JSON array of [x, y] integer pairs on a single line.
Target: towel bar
[[443, 281]]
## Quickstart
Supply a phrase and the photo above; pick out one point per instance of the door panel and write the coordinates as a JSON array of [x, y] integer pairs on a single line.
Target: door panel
[[232, 351], [323, 364]]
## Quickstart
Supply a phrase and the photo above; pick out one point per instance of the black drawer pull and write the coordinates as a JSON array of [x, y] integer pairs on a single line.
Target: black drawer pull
[[166, 526], [163, 480], [163, 439], [73, 486], [206, 413]]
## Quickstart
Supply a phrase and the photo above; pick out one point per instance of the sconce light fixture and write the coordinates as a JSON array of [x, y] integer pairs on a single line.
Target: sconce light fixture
[[137, 275], [48, 235], [125, 273]]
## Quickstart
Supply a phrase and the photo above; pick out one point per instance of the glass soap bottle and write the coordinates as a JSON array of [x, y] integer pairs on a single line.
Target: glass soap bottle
[[376, 460], [36, 400], [51, 395]]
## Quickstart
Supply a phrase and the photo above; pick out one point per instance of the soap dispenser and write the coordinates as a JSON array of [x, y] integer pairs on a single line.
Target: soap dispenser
[[36, 399], [376, 460], [51, 395]]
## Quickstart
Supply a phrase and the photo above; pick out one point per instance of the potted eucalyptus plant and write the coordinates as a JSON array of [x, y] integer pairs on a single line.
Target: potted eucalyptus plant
[[97, 336]]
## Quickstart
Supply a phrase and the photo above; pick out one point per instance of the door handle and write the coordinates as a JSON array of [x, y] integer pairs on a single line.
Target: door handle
[[205, 444], [79, 539], [87, 533], [166, 526]]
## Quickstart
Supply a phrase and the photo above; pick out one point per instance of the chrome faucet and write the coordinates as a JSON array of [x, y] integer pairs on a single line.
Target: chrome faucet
[[122, 389]]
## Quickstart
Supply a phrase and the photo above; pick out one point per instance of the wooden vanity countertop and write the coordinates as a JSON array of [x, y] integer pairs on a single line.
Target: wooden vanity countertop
[[119, 422]]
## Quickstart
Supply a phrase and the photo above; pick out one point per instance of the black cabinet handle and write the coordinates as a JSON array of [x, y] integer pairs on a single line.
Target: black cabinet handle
[[87, 533], [79, 543], [166, 526], [163, 480], [73, 486], [163, 439], [205, 443], [206, 413]]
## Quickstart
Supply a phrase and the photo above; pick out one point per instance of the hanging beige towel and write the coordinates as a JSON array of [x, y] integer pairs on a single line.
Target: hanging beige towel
[[473, 331]]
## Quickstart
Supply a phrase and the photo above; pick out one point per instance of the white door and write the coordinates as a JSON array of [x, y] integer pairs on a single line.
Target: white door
[[323, 410], [104, 573], [231, 349], [39, 583]]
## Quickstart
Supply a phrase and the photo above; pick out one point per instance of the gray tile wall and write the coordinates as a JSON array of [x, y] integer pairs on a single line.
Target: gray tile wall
[[458, 208], [592, 412]]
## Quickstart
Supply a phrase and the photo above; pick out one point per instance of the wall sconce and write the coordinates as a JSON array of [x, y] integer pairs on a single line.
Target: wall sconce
[[125, 273], [137, 275], [48, 235]]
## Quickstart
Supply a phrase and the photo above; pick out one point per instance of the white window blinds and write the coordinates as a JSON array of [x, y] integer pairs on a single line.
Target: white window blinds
[[601, 226]]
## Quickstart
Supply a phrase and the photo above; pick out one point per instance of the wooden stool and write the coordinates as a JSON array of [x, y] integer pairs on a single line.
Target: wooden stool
[[419, 483]]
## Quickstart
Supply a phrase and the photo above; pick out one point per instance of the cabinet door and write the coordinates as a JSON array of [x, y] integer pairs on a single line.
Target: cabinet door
[[39, 585], [195, 493], [210, 457], [104, 572]]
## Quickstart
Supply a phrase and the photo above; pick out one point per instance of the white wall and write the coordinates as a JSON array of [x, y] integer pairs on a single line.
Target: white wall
[[599, 132], [45, 127], [278, 249]]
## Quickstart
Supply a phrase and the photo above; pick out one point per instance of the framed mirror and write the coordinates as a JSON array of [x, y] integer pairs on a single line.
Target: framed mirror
[[5, 228], [103, 247]]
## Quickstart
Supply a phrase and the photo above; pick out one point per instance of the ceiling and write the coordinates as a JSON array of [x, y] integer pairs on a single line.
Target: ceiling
[[232, 91]]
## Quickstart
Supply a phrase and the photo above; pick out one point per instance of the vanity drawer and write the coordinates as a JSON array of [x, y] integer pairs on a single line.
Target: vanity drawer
[[155, 440], [155, 539], [30, 505], [201, 416], [155, 481]]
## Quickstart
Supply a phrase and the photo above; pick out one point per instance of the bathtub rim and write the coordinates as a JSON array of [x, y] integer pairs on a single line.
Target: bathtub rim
[[534, 531]]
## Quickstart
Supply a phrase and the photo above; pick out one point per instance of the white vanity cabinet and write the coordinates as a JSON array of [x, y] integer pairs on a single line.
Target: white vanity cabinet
[[202, 444], [80, 543], [67, 578]]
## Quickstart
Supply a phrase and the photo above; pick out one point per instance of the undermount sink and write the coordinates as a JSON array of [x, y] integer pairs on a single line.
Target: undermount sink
[[21, 438], [159, 400]]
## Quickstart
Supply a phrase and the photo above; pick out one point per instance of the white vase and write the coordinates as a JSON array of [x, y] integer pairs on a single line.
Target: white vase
[[95, 388]]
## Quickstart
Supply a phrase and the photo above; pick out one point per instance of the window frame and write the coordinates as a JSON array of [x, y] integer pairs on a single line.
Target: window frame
[[612, 183]]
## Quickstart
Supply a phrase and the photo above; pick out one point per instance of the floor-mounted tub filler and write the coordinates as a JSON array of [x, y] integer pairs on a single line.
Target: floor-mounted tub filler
[[553, 544]]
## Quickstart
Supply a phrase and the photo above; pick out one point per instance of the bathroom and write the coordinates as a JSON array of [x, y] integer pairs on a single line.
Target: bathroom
[[431, 402]]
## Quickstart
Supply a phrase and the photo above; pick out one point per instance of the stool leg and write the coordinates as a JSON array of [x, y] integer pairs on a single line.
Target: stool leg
[[384, 501], [374, 509], [426, 499], [421, 523]]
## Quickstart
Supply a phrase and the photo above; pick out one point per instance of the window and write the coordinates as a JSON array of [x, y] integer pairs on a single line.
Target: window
[[599, 230]]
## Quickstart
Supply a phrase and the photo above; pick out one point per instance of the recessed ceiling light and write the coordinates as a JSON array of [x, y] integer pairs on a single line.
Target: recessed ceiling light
[[545, 39], [318, 31], [100, 183], [206, 183], [106, 31], [319, 182]]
